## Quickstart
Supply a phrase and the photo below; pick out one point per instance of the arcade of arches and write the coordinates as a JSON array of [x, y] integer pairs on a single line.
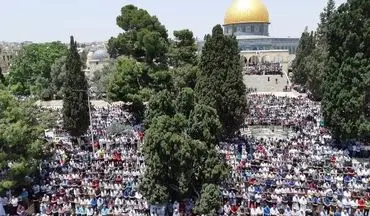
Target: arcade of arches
[[268, 56], [266, 62]]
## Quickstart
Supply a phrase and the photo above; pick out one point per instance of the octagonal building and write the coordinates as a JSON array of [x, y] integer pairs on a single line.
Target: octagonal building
[[249, 21]]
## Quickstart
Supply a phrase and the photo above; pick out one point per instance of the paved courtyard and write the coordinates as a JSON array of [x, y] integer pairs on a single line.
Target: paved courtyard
[[263, 85]]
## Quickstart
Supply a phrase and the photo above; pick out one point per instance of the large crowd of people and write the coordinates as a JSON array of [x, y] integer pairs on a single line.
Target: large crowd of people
[[265, 68], [302, 174], [81, 178], [98, 179], [299, 175]]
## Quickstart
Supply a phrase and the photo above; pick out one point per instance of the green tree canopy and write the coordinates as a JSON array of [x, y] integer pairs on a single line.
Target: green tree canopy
[[179, 147], [30, 73], [183, 49], [300, 64], [164, 151], [21, 145], [75, 91], [129, 83], [160, 79], [142, 70], [58, 74], [315, 63], [220, 83], [185, 76], [144, 38], [204, 125], [185, 101], [100, 80], [325, 17], [347, 77], [162, 103], [210, 200], [177, 165], [127, 80]]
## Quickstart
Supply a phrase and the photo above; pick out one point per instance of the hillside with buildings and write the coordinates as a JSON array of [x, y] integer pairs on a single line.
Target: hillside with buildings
[[96, 55]]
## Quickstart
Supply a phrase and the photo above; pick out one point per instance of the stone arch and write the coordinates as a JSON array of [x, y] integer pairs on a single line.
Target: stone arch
[[253, 60], [266, 59]]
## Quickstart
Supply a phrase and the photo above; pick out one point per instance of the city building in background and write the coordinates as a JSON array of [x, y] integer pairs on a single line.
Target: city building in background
[[8, 52], [97, 58]]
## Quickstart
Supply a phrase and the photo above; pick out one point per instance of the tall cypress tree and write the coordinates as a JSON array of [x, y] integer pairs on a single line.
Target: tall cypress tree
[[316, 62], [220, 84], [322, 30], [75, 100], [305, 47]]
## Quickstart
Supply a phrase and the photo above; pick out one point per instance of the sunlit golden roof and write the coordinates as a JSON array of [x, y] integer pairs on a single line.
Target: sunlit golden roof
[[246, 11]]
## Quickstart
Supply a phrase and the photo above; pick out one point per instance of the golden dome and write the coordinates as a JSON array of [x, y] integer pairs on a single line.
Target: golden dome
[[246, 11]]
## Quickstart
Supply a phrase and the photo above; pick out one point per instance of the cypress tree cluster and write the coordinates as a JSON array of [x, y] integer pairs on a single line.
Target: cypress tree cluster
[[192, 105], [334, 65]]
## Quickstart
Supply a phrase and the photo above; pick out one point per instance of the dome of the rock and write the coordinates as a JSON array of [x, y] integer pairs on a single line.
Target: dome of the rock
[[246, 11]]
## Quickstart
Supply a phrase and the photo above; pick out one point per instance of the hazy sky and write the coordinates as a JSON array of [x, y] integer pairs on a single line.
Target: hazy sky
[[94, 20]]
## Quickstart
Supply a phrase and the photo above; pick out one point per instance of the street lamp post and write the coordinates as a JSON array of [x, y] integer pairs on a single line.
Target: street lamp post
[[91, 125], [90, 117]]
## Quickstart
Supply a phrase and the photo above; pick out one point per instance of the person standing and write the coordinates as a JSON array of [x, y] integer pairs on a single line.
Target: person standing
[[24, 197], [14, 205], [2, 203], [36, 197]]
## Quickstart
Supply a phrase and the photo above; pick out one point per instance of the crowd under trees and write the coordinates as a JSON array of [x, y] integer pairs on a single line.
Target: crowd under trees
[[188, 101], [23, 123], [166, 81], [334, 64], [21, 149]]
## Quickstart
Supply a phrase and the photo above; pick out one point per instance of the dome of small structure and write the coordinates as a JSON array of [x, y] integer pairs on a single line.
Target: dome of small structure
[[246, 11], [100, 54]]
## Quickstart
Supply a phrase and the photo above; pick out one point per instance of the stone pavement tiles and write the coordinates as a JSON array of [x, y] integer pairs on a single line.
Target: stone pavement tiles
[[263, 85]]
